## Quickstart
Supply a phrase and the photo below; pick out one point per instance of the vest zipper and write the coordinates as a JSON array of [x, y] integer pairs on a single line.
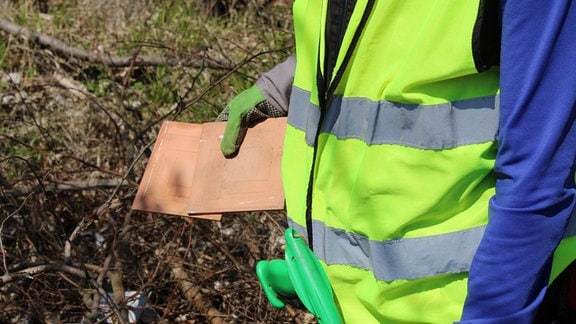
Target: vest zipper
[[326, 89]]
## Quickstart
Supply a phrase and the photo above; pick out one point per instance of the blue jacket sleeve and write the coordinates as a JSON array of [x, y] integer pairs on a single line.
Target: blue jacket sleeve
[[535, 191]]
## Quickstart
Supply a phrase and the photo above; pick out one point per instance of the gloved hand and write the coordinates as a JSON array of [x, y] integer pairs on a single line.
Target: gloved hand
[[269, 97], [245, 110]]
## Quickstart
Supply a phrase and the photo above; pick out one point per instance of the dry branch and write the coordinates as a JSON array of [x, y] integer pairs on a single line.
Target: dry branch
[[192, 292], [64, 186], [68, 51], [51, 267]]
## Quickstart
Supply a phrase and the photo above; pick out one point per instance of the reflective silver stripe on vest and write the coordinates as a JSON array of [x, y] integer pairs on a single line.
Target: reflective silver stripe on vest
[[440, 126], [407, 258]]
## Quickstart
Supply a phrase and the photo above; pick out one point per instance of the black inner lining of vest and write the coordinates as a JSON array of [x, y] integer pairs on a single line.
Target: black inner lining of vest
[[339, 13], [325, 84]]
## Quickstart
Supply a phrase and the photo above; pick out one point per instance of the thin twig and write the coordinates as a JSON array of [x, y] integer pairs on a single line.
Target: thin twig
[[98, 283], [87, 221], [2, 228], [179, 107], [270, 218]]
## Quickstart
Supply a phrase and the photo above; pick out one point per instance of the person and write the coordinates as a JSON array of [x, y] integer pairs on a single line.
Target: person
[[429, 152]]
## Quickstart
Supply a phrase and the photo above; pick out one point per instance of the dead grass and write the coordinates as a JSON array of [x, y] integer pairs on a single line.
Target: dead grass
[[66, 121]]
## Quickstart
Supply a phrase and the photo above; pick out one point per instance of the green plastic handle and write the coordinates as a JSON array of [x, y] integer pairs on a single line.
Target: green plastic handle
[[275, 281], [302, 275]]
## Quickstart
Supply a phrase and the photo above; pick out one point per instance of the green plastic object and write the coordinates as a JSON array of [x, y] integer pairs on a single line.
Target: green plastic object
[[299, 275]]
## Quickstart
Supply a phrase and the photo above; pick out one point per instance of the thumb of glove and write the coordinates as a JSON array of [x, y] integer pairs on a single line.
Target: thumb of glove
[[237, 124]]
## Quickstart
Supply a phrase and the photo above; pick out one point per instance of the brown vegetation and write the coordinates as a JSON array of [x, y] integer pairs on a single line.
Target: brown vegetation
[[75, 132]]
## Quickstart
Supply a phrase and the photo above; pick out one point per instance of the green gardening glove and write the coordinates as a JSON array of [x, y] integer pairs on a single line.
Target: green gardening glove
[[245, 110]]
